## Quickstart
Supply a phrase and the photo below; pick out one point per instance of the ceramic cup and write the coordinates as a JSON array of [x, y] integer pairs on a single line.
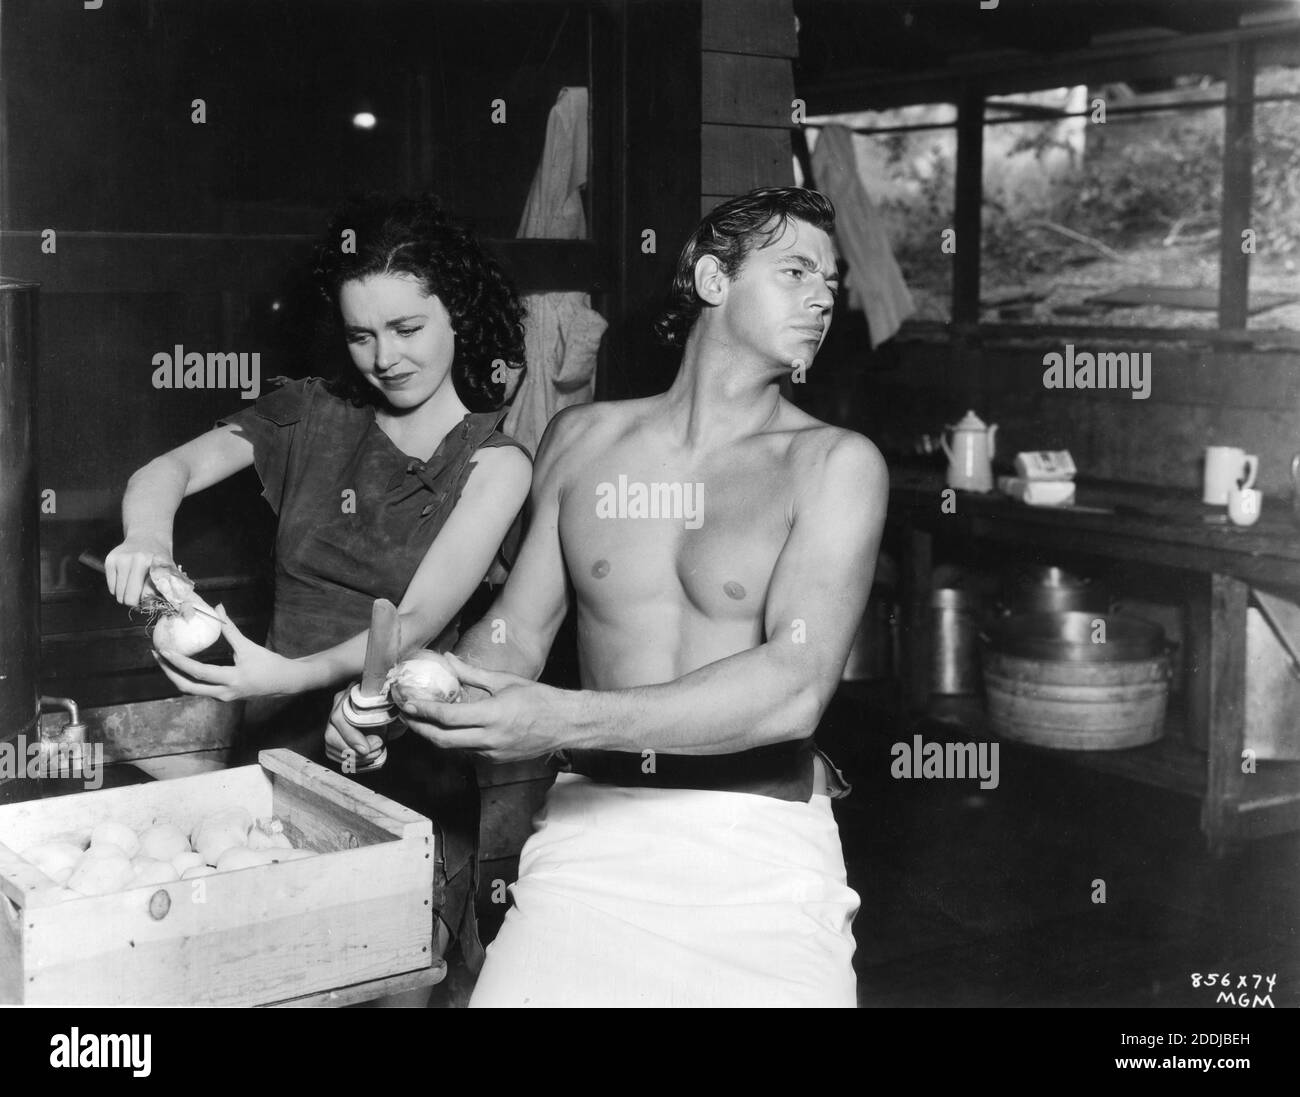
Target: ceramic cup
[[1244, 505], [1224, 466]]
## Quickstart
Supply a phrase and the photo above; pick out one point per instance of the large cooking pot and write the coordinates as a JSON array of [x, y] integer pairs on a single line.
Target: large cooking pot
[[1075, 637], [1053, 590]]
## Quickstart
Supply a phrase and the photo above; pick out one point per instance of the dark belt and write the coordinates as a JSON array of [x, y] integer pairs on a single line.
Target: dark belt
[[783, 771]]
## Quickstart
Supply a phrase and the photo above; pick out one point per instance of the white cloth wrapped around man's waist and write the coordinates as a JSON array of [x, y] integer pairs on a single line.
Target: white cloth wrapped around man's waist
[[675, 897]]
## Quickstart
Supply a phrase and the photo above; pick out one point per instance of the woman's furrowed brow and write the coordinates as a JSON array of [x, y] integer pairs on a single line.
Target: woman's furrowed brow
[[395, 322]]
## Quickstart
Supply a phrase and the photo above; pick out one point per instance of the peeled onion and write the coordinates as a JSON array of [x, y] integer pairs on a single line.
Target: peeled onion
[[115, 834], [101, 875], [238, 857], [268, 834], [163, 841], [150, 871], [221, 831], [55, 859], [183, 862], [426, 676], [188, 631]]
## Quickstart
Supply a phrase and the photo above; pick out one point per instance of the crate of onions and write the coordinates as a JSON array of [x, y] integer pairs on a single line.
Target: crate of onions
[[248, 886]]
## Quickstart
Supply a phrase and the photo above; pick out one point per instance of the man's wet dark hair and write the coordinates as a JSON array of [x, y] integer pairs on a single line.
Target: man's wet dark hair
[[414, 236], [729, 233]]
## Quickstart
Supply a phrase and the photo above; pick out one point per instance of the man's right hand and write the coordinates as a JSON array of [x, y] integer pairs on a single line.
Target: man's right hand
[[343, 739], [126, 568]]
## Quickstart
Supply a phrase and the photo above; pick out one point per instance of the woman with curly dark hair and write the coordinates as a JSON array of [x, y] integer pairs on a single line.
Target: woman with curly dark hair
[[393, 482]]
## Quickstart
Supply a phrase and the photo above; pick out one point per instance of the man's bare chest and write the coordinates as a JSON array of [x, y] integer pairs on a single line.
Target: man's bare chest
[[643, 531]]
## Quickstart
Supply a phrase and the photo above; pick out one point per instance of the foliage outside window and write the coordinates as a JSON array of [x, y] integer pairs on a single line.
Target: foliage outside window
[[1074, 209]]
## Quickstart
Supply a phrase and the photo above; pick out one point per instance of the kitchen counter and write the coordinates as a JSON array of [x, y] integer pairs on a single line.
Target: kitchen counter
[[1160, 528], [32, 788], [1158, 525]]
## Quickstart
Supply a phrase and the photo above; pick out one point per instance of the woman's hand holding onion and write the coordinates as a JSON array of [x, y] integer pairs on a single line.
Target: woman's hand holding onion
[[126, 568], [257, 672]]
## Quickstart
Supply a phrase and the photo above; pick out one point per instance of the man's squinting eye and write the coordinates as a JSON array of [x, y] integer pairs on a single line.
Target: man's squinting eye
[[406, 332]]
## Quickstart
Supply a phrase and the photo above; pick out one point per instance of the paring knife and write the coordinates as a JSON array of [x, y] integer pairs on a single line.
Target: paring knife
[[365, 705], [382, 648]]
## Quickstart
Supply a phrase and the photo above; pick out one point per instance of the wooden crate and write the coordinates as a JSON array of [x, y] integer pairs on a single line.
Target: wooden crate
[[360, 913]]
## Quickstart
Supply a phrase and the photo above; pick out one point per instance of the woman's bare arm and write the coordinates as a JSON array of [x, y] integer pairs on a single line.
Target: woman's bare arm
[[452, 567], [153, 495], [455, 564]]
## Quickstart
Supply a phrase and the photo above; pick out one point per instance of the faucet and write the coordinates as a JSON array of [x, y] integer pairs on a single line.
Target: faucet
[[63, 750]]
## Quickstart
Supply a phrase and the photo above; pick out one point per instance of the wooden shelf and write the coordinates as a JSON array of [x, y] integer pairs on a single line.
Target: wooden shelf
[[1168, 764], [196, 262]]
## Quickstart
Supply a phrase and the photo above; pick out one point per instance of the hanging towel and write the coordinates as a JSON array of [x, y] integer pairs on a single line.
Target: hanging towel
[[561, 332], [873, 272]]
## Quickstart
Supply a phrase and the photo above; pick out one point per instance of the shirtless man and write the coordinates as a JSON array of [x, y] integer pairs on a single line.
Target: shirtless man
[[689, 854]]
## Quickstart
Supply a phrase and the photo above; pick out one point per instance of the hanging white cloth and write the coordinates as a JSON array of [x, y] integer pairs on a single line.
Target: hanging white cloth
[[873, 272], [562, 332]]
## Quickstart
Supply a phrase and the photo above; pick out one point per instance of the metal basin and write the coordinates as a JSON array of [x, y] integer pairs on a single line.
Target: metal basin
[[1076, 637], [1054, 590]]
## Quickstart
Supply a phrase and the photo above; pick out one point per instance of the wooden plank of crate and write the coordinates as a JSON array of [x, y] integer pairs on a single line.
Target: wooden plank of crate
[[19, 879], [11, 952], [183, 801], [369, 991], [331, 807], [241, 938]]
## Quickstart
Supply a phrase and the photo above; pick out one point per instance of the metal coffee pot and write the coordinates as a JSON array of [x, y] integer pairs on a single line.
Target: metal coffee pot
[[970, 456]]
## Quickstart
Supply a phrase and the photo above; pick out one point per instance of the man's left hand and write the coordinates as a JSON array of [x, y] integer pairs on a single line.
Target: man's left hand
[[514, 719]]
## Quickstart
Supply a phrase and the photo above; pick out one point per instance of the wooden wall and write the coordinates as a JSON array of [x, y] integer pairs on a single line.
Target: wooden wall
[[746, 97], [1205, 390]]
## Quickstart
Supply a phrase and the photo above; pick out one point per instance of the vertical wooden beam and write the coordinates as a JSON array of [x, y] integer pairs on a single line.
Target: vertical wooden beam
[[1227, 706], [1197, 665], [659, 99], [1238, 159], [6, 221], [967, 204], [607, 184]]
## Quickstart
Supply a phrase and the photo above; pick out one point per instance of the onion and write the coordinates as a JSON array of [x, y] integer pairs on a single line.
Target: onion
[[426, 676], [187, 632]]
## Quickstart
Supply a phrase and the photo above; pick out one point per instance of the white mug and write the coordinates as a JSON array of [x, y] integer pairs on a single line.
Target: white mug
[[1224, 466], [1244, 505]]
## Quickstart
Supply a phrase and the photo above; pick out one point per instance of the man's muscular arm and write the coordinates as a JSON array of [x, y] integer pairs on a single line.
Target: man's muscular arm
[[779, 689], [772, 692]]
